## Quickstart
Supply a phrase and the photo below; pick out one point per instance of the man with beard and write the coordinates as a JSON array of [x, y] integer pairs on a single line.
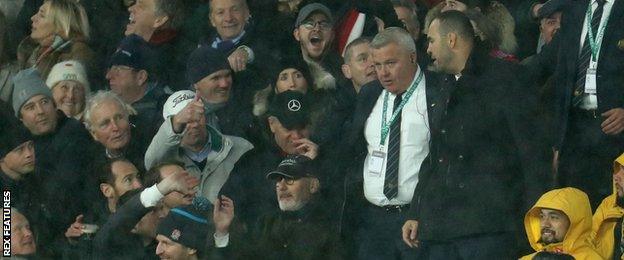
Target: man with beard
[[314, 31], [130, 233], [607, 221], [287, 131], [61, 146], [300, 229], [485, 147], [184, 136], [107, 118], [115, 177], [560, 221]]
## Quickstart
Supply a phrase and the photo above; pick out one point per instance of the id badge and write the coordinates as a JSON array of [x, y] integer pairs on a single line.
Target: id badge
[[376, 162], [590, 81]]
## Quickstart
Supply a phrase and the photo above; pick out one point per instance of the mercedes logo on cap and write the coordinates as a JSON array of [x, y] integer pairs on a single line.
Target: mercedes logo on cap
[[294, 105]]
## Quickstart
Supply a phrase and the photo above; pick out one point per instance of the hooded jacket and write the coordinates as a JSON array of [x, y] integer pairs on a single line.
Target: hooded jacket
[[577, 242], [607, 217]]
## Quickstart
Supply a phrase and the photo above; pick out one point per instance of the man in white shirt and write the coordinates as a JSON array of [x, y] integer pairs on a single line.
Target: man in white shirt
[[391, 119], [586, 59]]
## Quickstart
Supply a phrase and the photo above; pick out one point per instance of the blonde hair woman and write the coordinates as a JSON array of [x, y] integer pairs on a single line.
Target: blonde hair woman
[[60, 31]]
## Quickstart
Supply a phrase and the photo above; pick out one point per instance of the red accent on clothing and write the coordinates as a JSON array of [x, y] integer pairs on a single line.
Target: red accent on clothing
[[344, 28], [497, 53], [163, 36]]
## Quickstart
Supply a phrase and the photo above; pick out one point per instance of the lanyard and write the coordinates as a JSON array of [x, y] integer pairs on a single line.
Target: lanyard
[[385, 127], [594, 43]]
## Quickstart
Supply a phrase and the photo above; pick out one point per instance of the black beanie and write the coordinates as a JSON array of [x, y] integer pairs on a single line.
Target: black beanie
[[187, 226], [204, 61], [295, 63], [12, 132]]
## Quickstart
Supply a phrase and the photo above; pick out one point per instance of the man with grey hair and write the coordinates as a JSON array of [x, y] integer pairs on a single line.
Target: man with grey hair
[[388, 141], [107, 118]]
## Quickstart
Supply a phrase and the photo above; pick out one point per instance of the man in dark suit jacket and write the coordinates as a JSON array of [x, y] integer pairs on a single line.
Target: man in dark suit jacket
[[483, 168], [590, 95], [385, 155]]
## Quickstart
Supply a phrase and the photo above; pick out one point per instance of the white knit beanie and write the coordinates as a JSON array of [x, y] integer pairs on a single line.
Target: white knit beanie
[[68, 70]]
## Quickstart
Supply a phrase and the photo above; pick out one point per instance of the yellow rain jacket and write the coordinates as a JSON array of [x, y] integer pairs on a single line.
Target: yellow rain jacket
[[575, 204], [607, 216]]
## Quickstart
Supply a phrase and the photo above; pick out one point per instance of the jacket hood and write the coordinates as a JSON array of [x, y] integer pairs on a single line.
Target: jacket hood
[[575, 204], [322, 78], [616, 167], [618, 162], [261, 100]]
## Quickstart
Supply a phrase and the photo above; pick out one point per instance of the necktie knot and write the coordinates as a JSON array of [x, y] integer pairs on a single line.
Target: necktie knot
[[601, 2], [397, 100]]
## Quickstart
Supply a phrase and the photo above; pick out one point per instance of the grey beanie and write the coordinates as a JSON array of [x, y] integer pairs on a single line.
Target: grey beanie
[[27, 84]]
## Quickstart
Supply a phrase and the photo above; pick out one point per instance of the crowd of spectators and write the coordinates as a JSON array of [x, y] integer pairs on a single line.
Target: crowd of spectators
[[312, 129]]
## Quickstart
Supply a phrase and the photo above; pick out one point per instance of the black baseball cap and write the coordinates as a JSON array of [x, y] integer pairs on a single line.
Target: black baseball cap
[[133, 52], [291, 108], [551, 7], [295, 167]]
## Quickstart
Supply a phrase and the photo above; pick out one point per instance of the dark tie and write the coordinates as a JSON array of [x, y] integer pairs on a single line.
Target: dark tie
[[391, 182], [585, 57], [225, 46]]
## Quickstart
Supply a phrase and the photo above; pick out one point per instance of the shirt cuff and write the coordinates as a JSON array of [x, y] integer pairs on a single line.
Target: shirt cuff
[[150, 196], [221, 241]]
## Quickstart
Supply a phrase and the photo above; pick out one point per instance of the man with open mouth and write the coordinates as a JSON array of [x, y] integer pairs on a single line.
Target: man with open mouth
[[158, 23], [314, 31]]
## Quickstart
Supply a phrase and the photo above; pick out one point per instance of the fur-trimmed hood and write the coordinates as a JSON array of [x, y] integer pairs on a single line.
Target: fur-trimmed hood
[[322, 80]]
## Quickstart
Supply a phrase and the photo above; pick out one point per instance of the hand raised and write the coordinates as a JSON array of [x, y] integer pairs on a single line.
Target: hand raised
[[180, 181], [223, 214]]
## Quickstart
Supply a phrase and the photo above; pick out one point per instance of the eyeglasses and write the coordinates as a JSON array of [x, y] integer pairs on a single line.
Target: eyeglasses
[[289, 181], [323, 25]]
